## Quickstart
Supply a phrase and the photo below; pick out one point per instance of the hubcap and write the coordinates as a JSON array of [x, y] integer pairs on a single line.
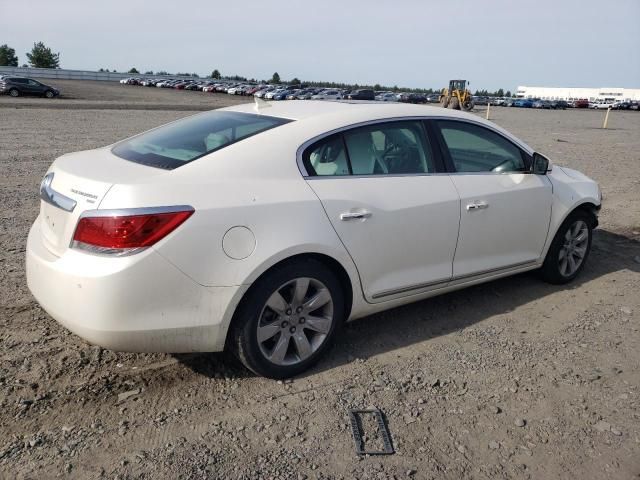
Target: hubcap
[[574, 248], [295, 321]]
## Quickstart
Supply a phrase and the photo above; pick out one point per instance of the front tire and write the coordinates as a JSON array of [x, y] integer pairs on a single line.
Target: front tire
[[288, 319], [569, 250], [49, 94]]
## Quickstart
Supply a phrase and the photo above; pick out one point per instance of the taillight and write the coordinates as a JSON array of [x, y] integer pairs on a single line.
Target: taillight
[[123, 232]]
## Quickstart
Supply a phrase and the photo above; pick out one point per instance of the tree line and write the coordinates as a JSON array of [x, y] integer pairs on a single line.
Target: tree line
[[42, 56]]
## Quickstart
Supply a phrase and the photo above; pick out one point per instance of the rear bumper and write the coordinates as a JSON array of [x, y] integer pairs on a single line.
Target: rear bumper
[[140, 303]]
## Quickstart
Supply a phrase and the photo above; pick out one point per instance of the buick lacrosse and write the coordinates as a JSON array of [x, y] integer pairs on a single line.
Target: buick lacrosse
[[263, 228]]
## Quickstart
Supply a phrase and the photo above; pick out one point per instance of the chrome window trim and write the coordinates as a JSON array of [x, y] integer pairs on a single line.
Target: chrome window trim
[[50, 196], [308, 143]]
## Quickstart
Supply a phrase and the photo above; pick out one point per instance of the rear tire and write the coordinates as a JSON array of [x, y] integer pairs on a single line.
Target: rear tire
[[288, 319], [14, 92], [467, 106], [569, 250]]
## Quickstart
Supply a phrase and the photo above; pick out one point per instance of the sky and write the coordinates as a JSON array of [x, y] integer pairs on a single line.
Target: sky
[[410, 43]]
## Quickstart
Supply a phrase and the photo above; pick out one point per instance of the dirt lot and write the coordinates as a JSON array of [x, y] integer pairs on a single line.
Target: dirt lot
[[511, 379]]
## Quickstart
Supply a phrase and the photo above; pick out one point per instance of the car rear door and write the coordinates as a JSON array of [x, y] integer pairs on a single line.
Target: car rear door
[[396, 213], [505, 210]]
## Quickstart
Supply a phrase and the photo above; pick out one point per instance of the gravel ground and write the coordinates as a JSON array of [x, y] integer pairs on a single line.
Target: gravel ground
[[510, 379]]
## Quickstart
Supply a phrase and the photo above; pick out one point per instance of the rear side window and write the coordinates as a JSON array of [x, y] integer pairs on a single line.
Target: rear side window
[[193, 137], [389, 148], [394, 148]]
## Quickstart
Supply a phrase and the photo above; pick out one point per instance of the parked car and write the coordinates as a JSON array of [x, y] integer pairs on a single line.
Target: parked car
[[188, 261], [541, 104], [601, 104], [413, 98], [621, 105], [17, 86], [328, 95], [523, 103], [281, 94], [362, 94], [433, 98], [580, 103], [387, 97]]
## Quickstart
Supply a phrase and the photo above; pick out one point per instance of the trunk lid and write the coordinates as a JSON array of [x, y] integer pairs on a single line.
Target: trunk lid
[[84, 178]]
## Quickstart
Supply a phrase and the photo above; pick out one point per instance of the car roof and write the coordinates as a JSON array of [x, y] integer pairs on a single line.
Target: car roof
[[352, 110], [326, 115]]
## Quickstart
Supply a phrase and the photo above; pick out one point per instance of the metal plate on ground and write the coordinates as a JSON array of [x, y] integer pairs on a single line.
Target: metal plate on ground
[[355, 416]]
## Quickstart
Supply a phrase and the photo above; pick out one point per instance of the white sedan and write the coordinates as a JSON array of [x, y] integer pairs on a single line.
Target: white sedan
[[264, 228], [328, 95]]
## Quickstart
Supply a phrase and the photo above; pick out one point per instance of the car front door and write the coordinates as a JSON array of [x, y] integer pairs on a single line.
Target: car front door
[[505, 210], [397, 216], [35, 88]]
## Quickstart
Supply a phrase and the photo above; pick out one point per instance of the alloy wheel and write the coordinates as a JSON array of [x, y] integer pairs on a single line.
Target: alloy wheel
[[574, 248], [295, 321]]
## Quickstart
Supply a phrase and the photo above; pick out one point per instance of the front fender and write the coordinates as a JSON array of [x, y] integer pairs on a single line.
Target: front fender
[[571, 189]]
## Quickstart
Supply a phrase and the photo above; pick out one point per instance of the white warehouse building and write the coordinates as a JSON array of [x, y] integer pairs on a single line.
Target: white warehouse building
[[573, 93]]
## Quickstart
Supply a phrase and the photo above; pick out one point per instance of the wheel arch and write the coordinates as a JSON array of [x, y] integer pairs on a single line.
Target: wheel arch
[[587, 206], [330, 262]]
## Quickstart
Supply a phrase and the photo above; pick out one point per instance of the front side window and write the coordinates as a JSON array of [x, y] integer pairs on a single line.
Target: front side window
[[188, 139], [476, 149]]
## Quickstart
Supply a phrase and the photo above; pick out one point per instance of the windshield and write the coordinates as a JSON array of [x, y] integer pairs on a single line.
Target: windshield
[[188, 139]]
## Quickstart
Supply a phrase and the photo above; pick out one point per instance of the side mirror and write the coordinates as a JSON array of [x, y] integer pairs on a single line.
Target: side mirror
[[540, 164]]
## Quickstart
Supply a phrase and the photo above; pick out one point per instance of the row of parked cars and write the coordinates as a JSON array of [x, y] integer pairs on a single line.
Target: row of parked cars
[[301, 92], [282, 92], [562, 104]]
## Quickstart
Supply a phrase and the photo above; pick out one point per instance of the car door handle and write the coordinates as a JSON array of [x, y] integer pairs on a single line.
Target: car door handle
[[477, 206], [354, 215]]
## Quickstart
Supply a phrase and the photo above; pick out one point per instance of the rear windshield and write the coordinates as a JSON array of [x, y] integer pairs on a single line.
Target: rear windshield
[[188, 139]]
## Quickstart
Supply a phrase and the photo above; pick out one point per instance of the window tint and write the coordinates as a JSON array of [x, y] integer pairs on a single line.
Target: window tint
[[476, 149], [33, 83], [188, 139], [327, 157], [389, 148]]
